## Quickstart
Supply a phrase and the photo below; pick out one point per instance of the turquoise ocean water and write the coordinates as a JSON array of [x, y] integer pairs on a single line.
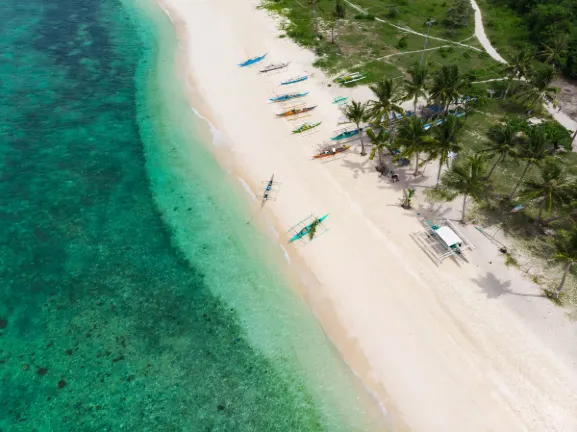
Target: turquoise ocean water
[[133, 295]]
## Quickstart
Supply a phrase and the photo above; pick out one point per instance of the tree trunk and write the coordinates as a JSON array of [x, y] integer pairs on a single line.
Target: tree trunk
[[380, 157], [520, 180], [565, 271], [362, 142], [316, 19], [332, 35], [493, 168], [439, 173], [541, 207], [416, 164], [415, 105], [339, 35], [463, 219], [507, 90]]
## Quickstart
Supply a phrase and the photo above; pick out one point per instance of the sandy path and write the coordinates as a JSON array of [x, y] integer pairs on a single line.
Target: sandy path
[[560, 116], [480, 33], [447, 348]]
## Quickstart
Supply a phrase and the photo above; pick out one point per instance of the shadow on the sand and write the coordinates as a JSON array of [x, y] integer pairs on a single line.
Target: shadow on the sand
[[494, 288], [357, 167]]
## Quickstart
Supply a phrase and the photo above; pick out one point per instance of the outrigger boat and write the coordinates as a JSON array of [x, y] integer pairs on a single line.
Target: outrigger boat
[[307, 228], [252, 60], [266, 193], [340, 100], [331, 152], [296, 79], [288, 96], [350, 78], [274, 66], [305, 127], [295, 111], [345, 134]]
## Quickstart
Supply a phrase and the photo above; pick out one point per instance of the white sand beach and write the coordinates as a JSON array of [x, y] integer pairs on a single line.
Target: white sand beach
[[450, 347]]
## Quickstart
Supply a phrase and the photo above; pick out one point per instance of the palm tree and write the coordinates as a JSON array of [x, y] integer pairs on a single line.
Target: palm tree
[[386, 94], [339, 12], [415, 139], [416, 87], [380, 142], [566, 252], [313, 228], [313, 4], [518, 68], [539, 87], [356, 113], [554, 52], [504, 142], [446, 137], [467, 178], [534, 150], [554, 187], [448, 86]]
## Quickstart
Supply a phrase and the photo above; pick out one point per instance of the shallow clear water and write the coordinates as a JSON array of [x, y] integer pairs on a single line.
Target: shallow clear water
[[133, 295]]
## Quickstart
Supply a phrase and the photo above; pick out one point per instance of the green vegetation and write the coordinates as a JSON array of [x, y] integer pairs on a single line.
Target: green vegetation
[[503, 161], [357, 113], [549, 27], [375, 42]]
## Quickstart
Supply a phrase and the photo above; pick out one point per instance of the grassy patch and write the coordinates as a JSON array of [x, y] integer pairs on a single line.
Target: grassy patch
[[504, 28], [375, 47]]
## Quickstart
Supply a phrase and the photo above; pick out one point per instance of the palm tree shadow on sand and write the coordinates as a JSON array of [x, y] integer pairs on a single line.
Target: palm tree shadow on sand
[[494, 288]]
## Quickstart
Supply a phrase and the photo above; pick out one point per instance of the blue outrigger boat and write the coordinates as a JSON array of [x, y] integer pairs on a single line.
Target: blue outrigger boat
[[288, 96], [307, 228], [252, 60], [297, 79], [345, 134]]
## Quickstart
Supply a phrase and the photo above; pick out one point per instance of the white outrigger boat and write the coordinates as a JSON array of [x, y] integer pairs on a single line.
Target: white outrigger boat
[[274, 67]]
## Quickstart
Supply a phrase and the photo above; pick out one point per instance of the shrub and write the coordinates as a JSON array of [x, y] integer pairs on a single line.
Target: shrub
[[443, 52], [402, 44]]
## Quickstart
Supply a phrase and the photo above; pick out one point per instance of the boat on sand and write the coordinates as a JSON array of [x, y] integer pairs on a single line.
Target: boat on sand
[[305, 127], [288, 96], [295, 111], [331, 152], [252, 60]]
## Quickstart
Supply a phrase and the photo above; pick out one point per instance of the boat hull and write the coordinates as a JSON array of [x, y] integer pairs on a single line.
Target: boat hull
[[339, 150], [288, 97], [306, 230], [307, 129], [252, 61], [345, 135], [296, 112], [294, 81]]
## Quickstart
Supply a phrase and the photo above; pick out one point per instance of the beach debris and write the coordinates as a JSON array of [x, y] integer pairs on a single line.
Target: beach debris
[[3, 323], [61, 384], [42, 371], [69, 351], [220, 407], [25, 366]]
